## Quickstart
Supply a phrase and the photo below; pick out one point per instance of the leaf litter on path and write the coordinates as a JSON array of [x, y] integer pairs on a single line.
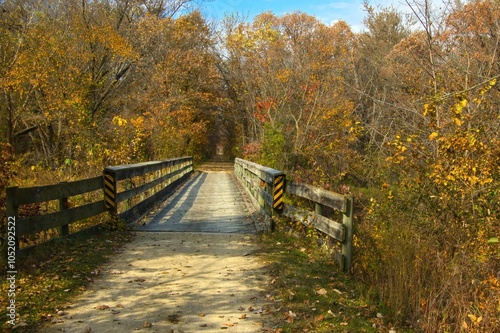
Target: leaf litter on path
[[200, 296]]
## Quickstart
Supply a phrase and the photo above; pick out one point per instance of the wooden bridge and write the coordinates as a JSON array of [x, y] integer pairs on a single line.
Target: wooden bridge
[[171, 196]]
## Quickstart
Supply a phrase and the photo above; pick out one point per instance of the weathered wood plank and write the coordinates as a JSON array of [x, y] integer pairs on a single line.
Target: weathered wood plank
[[140, 189], [36, 224], [323, 224], [316, 194], [135, 212], [347, 245], [23, 196], [133, 170], [268, 198], [265, 173]]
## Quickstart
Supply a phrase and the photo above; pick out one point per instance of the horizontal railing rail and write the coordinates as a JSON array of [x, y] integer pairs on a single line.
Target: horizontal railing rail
[[342, 232], [60, 219], [158, 179], [267, 187]]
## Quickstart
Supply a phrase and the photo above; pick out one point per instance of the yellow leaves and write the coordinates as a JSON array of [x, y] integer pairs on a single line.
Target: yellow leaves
[[110, 38], [457, 122], [474, 319], [488, 87], [433, 135], [460, 106], [117, 120], [284, 75], [429, 108]]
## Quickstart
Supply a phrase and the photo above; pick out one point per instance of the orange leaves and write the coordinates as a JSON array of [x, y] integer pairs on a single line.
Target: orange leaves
[[110, 39], [291, 77], [433, 135], [399, 148]]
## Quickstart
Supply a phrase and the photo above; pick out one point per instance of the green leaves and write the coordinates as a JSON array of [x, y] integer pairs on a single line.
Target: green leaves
[[493, 240]]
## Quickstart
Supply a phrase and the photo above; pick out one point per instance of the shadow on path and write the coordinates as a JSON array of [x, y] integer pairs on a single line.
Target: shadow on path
[[210, 202], [187, 282]]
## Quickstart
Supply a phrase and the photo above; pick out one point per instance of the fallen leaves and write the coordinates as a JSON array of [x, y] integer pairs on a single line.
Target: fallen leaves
[[290, 316], [102, 307], [312, 296], [321, 292], [139, 280]]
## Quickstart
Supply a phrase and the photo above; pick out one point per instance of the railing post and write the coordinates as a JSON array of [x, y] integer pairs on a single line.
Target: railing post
[[110, 192], [318, 209], [347, 244], [63, 205]]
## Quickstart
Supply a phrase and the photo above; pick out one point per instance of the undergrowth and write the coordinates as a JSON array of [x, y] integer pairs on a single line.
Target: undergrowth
[[56, 273], [314, 295]]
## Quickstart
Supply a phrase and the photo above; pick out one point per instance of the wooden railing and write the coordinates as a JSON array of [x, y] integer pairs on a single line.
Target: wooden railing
[[342, 232], [158, 179], [138, 186], [267, 188], [265, 185], [63, 217]]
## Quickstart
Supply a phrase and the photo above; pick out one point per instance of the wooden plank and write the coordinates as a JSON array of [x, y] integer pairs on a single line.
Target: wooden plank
[[316, 194], [268, 198], [10, 203], [36, 224], [132, 170], [323, 224], [63, 205], [23, 196], [140, 189], [136, 212], [265, 173], [347, 245]]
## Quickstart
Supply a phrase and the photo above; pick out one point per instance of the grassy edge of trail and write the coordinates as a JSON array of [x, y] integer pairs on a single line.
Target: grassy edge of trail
[[311, 293], [54, 274]]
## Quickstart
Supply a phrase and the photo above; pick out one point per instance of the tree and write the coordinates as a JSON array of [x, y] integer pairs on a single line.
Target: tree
[[287, 74], [373, 80], [180, 85], [438, 172]]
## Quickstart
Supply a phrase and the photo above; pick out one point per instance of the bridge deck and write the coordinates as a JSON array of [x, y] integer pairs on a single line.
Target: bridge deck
[[209, 202]]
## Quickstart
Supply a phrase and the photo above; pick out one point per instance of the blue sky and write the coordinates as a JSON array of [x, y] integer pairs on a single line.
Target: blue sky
[[327, 11]]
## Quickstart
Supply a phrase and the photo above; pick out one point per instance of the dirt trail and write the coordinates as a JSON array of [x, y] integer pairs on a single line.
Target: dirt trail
[[175, 282]]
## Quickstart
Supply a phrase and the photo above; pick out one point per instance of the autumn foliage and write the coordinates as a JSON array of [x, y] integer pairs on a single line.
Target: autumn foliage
[[403, 115]]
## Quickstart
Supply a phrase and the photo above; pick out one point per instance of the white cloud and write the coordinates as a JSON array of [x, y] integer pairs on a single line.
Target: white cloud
[[334, 5]]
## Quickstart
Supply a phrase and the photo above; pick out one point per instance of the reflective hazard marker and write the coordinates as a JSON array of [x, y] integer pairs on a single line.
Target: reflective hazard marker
[[110, 191], [278, 192]]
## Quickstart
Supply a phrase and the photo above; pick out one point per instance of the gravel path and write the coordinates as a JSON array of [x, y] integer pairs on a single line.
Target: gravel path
[[180, 282], [175, 282]]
